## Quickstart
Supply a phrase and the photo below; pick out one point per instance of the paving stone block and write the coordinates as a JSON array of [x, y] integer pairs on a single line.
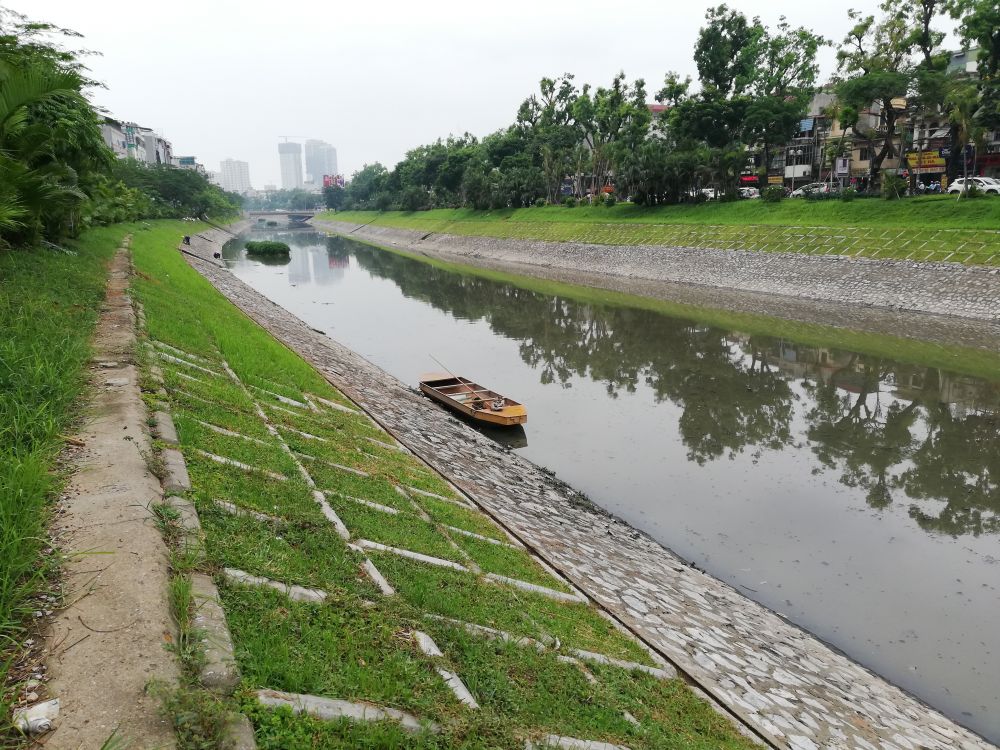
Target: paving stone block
[[238, 734], [176, 479], [164, 427], [330, 709], [295, 593], [219, 671]]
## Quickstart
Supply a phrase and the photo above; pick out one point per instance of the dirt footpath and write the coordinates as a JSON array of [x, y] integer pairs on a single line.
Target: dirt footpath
[[109, 641]]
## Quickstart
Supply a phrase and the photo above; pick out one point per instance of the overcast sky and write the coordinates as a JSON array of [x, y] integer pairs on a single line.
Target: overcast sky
[[227, 78]]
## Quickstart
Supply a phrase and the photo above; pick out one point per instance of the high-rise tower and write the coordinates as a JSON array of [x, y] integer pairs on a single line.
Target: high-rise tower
[[321, 159], [291, 165]]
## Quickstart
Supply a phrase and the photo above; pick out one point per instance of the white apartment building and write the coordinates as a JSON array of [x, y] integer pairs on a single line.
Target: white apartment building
[[234, 176]]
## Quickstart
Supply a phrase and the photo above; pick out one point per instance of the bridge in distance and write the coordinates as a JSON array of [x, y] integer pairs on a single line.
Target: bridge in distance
[[293, 217]]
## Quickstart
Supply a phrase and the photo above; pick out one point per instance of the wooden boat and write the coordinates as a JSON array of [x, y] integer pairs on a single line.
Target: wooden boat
[[471, 399]]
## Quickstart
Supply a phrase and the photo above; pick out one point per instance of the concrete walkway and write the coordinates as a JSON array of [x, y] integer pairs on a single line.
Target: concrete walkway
[[791, 689], [109, 641]]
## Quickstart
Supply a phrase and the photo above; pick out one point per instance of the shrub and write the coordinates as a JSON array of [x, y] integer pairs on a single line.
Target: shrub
[[973, 191], [539, 202], [893, 187], [383, 201], [610, 200], [848, 194], [413, 199], [773, 194], [569, 201], [267, 247]]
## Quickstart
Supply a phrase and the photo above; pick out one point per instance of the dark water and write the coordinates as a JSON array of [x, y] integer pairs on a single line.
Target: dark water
[[855, 495]]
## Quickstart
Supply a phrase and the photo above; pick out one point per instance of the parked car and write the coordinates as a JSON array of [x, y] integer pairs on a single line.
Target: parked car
[[984, 184], [812, 187], [749, 192]]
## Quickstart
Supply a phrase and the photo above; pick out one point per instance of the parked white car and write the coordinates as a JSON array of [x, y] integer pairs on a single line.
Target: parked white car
[[812, 187], [984, 184]]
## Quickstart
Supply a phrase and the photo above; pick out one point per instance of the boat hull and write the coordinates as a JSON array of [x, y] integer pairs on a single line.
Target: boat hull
[[474, 401]]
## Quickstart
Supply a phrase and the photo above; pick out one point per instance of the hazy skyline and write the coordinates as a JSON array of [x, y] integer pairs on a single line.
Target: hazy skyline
[[229, 79]]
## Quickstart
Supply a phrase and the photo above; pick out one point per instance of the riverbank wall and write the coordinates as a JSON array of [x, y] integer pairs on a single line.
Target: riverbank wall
[[790, 688], [813, 288]]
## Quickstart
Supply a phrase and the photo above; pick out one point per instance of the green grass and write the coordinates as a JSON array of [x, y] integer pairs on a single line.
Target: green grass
[[307, 555], [349, 653], [542, 695], [357, 645], [462, 596], [291, 499], [513, 563], [934, 228], [403, 530], [270, 457], [49, 306], [928, 211], [450, 514]]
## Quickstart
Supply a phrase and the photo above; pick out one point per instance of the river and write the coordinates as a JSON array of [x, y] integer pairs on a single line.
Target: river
[[853, 494]]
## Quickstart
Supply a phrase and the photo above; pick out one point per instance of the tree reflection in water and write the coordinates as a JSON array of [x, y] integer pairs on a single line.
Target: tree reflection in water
[[896, 431]]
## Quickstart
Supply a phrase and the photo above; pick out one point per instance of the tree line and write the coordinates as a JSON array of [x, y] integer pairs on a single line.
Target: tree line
[[755, 83], [57, 175]]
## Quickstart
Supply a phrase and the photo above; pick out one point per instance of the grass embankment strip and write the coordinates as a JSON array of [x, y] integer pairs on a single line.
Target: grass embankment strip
[[49, 305], [356, 644], [928, 228], [927, 212], [957, 359]]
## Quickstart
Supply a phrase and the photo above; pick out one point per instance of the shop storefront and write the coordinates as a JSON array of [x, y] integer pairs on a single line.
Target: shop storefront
[[929, 166]]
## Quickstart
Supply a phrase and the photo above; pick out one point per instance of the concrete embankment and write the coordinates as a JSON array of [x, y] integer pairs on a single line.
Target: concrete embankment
[[735, 279], [793, 690]]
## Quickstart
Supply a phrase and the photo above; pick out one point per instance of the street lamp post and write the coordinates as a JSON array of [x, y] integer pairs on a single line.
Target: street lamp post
[[796, 153]]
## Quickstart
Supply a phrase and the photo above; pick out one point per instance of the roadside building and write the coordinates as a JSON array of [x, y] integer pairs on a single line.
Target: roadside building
[[190, 162], [114, 136], [131, 141], [155, 149]]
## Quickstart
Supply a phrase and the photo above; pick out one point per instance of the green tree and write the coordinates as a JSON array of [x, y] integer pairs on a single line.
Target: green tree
[[614, 121], [728, 52], [875, 58], [979, 25], [550, 122], [365, 184], [334, 197], [49, 140]]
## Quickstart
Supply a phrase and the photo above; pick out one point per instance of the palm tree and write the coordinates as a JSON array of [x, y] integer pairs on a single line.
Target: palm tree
[[32, 184], [962, 100]]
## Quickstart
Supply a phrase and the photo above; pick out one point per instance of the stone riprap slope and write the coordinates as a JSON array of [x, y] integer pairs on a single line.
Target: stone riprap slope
[[935, 288], [792, 689]]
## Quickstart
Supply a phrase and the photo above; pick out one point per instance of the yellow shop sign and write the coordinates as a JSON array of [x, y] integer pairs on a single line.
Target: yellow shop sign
[[929, 160]]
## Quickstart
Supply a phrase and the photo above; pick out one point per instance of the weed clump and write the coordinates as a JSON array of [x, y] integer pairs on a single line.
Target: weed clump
[[267, 247]]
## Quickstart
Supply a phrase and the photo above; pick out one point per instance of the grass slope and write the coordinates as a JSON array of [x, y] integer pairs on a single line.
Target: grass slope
[[929, 212], [49, 305], [932, 228]]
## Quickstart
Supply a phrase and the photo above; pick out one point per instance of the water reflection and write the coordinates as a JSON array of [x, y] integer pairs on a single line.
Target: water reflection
[[900, 433]]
